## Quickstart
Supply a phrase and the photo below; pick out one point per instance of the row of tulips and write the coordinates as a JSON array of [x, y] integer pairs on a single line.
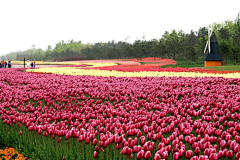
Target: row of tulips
[[85, 117], [112, 73], [151, 59], [70, 63], [154, 68]]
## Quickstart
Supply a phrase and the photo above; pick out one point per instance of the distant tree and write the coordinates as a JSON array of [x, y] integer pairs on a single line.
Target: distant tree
[[224, 43], [191, 47], [236, 41], [160, 48]]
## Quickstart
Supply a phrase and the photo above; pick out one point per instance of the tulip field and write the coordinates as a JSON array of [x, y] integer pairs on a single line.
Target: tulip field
[[118, 112]]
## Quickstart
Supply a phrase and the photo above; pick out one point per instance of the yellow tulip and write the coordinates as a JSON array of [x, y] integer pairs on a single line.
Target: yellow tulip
[[106, 73]]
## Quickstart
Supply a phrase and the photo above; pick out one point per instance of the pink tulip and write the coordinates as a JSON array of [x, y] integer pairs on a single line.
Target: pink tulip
[[223, 144], [94, 142], [230, 154], [189, 154], [95, 154], [194, 158], [147, 155], [165, 155], [197, 151], [238, 155], [213, 156], [176, 156], [139, 155], [157, 157]]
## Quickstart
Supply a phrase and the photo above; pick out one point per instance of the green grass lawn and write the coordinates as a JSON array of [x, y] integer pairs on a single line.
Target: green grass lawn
[[142, 63], [188, 64], [225, 68]]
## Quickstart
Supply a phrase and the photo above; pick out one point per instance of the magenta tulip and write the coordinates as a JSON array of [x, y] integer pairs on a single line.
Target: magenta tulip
[[189, 154]]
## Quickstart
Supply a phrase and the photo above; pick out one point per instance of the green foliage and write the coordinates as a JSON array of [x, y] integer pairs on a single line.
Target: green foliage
[[226, 68]]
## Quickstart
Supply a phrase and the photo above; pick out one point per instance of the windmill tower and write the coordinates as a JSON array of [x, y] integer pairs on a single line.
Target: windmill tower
[[213, 57]]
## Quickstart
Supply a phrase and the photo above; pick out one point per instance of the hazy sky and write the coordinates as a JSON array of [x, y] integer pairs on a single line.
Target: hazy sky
[[24, 23]]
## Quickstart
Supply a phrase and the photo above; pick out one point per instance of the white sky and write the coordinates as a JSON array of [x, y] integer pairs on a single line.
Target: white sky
[[24, 23]]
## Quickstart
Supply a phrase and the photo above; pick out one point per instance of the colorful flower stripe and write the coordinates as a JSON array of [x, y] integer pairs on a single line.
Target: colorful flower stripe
[[122, 62], [150, 59], [10, 153], [126, 68], [108, 62], [90, 64], [101, 64], [21, 62], [105, 73]]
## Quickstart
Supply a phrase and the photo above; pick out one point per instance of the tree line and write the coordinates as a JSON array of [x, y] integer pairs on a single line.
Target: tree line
[[176, 45]]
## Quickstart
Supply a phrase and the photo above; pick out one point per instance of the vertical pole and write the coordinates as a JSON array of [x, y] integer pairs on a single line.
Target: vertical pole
[[24, 62]]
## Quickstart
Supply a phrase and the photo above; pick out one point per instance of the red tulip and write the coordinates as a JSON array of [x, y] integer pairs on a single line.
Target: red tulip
[[206, 152], [213, 156], [150, 148], [87, 141], [194, 145], [175, 142], [175, 148], [189, 154], [130, 156], [147, 155], [100, 143], [224, 153], [145, 147], [236, 149], [95, 154], [125, 150], [230, 154], [223, 144], [181, 152], [228, 137], [129, 151], [234, 133], [220, 154], [197, 151], [203, 157], [194, 158], [161, 145], [165, 155], [176, 156], [139, 155], [94, 142], [169, 148], [187, 138], [238, 155], [157, 157]]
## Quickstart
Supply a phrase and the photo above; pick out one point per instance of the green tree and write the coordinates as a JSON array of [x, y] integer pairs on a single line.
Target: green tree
[[191, 47]]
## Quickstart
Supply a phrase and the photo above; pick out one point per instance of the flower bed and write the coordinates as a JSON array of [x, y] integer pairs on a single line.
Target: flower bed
[[81, 117], [177, 72], [10, 153], [154, 68]]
